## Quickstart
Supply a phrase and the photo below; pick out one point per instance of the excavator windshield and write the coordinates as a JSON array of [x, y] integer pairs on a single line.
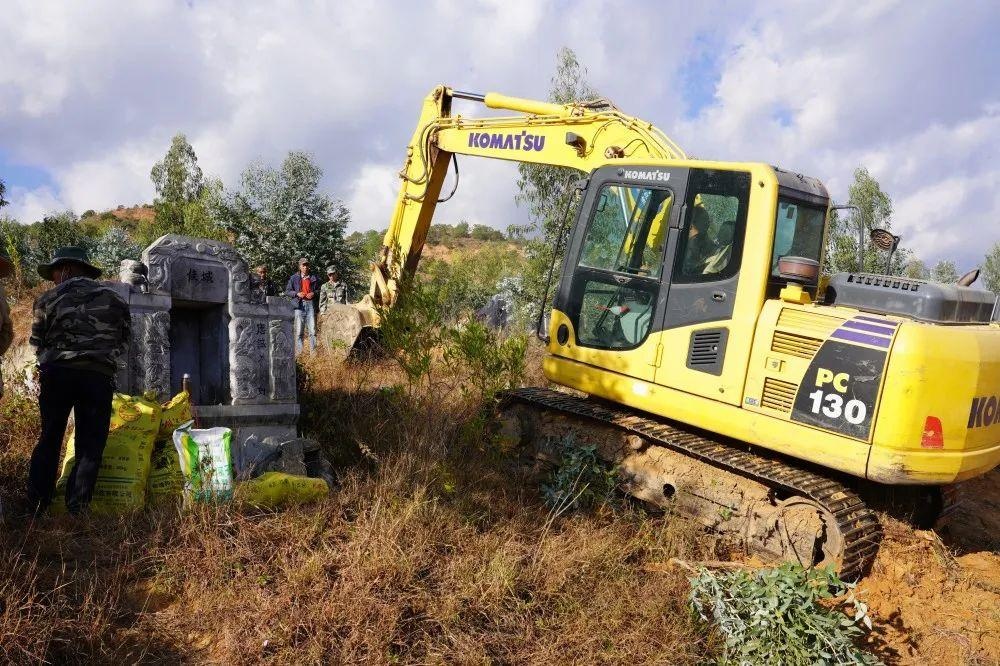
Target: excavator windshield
[[628, 230]]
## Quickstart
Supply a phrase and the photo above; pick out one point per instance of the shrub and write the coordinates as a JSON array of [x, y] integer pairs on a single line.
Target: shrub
[[489, 362], [774, 616], [582, 479]]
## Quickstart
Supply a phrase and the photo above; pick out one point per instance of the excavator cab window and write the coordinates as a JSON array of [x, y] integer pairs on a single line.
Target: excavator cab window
[[620, 265], [798, 232], [628, 231], [710, 245]]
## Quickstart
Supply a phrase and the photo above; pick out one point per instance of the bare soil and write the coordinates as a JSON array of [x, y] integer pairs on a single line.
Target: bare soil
[[936, 594]]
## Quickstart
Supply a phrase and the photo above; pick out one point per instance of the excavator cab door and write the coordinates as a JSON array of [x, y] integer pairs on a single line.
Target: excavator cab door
[[612, 293], [705, 331]]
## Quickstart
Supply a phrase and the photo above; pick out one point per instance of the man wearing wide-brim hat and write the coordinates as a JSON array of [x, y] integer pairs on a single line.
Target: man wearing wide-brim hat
[[80, 329], [6, 325]]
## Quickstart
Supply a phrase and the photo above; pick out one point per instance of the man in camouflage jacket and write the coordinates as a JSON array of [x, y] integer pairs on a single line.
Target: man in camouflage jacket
[[332, 291], [79, 330]]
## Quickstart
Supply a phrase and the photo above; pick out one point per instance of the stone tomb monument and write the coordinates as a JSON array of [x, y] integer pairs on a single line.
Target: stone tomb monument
[[197, 315]]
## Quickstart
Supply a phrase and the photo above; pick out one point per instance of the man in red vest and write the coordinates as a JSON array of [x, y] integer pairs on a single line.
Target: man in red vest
[[302, 288]]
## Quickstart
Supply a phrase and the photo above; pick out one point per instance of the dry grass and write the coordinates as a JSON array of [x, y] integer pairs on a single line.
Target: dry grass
[[436, 548]]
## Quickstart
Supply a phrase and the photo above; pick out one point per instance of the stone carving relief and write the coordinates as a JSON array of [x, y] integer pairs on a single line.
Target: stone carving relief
[[194, 283], [249, 359], [161, 255], [282, 361], [156, 353]]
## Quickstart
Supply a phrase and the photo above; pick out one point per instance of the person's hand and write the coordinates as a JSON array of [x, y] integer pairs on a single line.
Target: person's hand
[[308, 297], [302, 294]]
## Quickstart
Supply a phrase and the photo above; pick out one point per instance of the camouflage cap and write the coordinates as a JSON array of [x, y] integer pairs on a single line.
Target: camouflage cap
[[330, 270], [6, 265], [69, 254]]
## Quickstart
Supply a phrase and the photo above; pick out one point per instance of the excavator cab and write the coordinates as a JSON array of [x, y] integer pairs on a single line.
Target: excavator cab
[[653, 247]]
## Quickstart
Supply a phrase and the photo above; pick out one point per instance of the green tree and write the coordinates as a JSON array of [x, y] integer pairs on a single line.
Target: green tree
[[486, 233], [945, 272], [916, 269], [179, 182], [14, 238], [543, 189], [366, 243], [54, 231], [875, 208], [114, 245], [991, 269], [279, 215], [3, 190]]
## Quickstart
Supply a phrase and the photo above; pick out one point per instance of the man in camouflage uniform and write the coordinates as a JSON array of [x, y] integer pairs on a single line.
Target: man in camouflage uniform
[[262, 284], [80, 329], [6, 325], [332, 291]]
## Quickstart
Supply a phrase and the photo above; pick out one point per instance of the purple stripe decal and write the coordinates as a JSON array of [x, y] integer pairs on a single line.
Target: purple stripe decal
[[854, 336], [884, 322], [871, 328]]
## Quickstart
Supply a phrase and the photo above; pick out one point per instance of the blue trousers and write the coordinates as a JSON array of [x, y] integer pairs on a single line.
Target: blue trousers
[[305, 318]]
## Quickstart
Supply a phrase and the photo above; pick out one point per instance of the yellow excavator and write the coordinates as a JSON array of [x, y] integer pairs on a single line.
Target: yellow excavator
[[706, 355]]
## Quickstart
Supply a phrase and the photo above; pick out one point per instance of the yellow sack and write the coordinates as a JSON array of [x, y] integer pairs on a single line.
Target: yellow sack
[[176, 411], [166, 480], [124, 471], [273, 489]]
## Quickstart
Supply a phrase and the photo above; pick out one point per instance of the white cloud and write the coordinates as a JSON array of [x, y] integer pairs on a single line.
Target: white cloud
[[33, 204], [372, 196], [92, 93]]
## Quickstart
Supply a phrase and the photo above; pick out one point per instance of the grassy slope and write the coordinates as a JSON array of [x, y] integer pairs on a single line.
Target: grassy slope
[[436, 547]]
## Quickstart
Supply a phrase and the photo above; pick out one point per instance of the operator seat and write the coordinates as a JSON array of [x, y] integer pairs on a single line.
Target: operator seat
[[719, 260]]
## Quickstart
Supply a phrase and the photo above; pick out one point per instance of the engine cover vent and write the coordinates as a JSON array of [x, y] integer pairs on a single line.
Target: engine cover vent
[[808, 323], [794, 344], [778, 395], [707, 350]]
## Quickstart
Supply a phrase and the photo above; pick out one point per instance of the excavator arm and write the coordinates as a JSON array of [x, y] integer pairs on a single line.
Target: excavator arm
[[580, 136]]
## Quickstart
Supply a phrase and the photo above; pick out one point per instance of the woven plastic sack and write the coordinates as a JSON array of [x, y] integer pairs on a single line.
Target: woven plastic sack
[[176, 412], [166, 480], [124, 472], [206, 458], [274, 489]]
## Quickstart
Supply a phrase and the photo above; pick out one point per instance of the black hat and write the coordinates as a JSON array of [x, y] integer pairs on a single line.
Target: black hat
[[68, 254], [6, 265]]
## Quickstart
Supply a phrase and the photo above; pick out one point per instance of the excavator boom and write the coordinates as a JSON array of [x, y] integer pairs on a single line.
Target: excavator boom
[[579, 136]]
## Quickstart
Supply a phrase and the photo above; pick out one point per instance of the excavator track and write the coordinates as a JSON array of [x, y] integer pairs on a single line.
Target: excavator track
[[858, 527]]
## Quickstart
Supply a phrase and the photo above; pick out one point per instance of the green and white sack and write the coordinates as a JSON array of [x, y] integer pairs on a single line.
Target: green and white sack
[[206, 461]]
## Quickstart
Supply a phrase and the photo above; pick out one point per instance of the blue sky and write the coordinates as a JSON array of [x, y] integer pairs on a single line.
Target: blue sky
[[90, 94], [24, 176]]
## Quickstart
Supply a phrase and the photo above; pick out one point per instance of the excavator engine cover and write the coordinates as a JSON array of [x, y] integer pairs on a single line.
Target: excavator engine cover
[[919, 299]]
